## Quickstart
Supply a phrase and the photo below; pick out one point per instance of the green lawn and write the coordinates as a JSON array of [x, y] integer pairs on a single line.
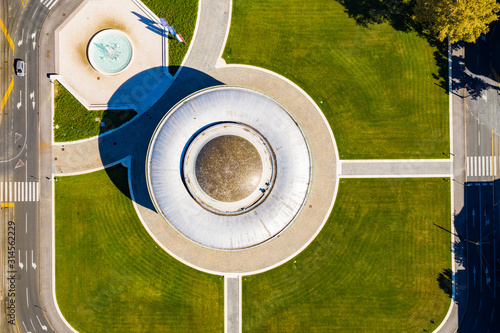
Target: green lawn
[[72, 121], [376, 266], [181, 14], [111, 276], [374, 84]]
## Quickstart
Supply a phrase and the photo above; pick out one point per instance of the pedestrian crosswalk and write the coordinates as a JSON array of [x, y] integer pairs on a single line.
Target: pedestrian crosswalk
[[482, 166], [19, 191], [49, 3]]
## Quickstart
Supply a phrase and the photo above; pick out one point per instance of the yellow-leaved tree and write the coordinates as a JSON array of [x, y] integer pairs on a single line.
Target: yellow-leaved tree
[[461, 20]]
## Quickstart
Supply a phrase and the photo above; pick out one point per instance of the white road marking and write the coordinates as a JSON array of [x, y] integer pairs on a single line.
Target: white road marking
[[32, 324], [32, 261], [20, 99], [481, 166], [21, 265], [49, 3], [32, 95], [26, 260], [26, 328], [21, 41], [27, 300], [19, 191], [42, 326]]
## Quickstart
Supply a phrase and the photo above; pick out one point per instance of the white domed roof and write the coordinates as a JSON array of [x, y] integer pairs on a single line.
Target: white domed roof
[[228, 168]]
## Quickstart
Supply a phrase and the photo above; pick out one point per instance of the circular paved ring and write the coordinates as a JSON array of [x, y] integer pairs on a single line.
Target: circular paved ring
[[317, 206]]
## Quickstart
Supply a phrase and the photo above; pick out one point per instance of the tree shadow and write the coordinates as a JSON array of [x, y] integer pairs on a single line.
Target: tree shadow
[[473, 84], [444, 280], [399, 15], [395, 12]]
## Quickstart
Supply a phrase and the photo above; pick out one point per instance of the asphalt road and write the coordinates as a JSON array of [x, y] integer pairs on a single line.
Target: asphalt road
[[483, 306], [483, 120], [481, 211], [20, 166]]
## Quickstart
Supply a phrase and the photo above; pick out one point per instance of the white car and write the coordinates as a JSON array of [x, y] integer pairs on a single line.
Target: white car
[[20, 67]]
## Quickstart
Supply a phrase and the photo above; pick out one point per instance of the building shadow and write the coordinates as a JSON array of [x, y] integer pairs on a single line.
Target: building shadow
[[133, 139]]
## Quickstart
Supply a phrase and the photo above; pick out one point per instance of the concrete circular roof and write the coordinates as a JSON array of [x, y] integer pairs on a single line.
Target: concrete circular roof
[[239, 108]]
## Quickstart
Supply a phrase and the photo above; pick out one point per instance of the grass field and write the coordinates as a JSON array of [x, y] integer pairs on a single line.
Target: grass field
[[376, 266], [72, 121], [379, 88], [111, 276], [181, 14]]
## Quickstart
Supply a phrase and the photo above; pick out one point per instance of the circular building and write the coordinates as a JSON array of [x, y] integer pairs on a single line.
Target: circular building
[[228, 168]]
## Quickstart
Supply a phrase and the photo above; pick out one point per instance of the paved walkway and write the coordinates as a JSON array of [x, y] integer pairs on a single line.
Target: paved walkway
[[395, 168], [232, 304], [457, 129]]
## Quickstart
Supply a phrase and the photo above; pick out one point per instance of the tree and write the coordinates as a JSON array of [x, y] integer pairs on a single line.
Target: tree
[[459, 19]]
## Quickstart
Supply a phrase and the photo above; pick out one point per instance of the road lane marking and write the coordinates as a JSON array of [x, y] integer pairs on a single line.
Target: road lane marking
[[7, 93], [31, 320], [21, 265], [6, 33], [480, 166], [26, 327], [43, 327], [27, 300], [19, 191], [32, 261], [49, 3]]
